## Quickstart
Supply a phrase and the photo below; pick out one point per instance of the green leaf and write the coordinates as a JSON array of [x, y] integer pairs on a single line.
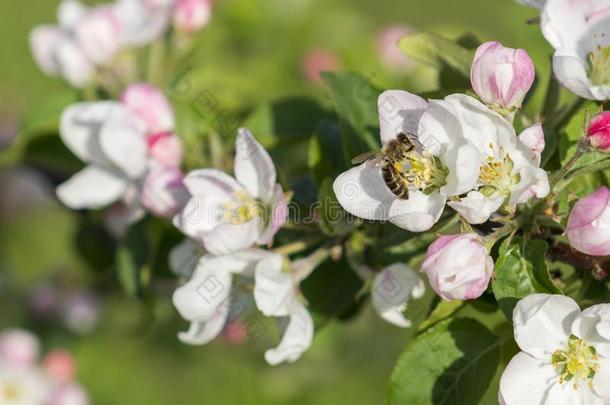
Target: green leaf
[[453, 362], [520, 271], [325, 152], [443, 310], [131, 258], [437, 51], [355, 100]]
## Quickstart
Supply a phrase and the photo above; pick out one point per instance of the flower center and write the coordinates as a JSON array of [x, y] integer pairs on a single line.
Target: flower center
[[600, 65], [579, 362], [496, 174], [242, 209], [423, 171], [10, 392]]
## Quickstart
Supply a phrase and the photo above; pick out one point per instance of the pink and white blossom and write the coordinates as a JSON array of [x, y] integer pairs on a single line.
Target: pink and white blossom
[[501, 76], [599, 131], [19, 347], [164, 193], [588, 227], [192, 15], [458, 267], [150, 105], [387, 46]]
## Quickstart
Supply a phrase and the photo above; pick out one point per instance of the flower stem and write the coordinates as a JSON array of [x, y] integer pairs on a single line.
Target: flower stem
[[297, 246]]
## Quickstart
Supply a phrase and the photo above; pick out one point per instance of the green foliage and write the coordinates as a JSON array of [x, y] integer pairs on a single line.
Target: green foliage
[[521, 270], [132, 256], [452, 362]]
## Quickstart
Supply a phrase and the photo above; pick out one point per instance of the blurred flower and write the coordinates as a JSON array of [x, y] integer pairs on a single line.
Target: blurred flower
[[565, 353], [318, 61], [98, 34], [533, 3], [143, 21], [81, 312], [151, 105], [458, 266], [387, 46], [44, 301], [599, 131], [392, 290], [508, 173], [69, 394], [192, 15], [235, 332], [19, 347], [502, 76], [578, 31], [22, 386], [59, 366], [229, 214], [276, 292], [164, 193], [166, 148], [433, 172], [588, 226]]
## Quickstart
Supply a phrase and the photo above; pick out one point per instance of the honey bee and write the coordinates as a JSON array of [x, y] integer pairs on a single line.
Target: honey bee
[[391, 156]]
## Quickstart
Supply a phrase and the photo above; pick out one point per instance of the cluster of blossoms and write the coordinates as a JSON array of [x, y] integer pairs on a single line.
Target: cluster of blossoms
[[25, 380], [88, 40]]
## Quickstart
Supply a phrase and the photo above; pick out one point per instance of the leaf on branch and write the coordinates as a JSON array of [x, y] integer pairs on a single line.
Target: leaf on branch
[[520, 271], [437, 51], [452, 362]]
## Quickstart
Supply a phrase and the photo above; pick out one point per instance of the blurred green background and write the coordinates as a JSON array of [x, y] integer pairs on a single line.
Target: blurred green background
[[250, 54]]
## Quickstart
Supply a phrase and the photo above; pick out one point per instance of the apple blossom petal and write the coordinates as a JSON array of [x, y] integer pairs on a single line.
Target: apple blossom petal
[[254, 168], [274, 289], [567, 394], [526, 380], [163, 192], [43, 41], [92, 187], [297, 337], [391, 291], [419, 212], [192, 15], [542, 323], [70, 12], [439, 127], [183, 258], [534, 182], [166, 148], [399, 112], [200, 298], [73, 64], [69, 394], [99, 34], [362, 192], [533, 139], [228, 238], [589, 224], [572, 74], [590, 327], [122, 139], [142, 21], [601, 380], [200, 333], [151, 105], [476, 208], [80, 126], [279, 216], [19, 347], [463, 162]]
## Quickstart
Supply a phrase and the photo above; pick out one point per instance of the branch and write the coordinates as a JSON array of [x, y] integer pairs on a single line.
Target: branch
[[598, 266]]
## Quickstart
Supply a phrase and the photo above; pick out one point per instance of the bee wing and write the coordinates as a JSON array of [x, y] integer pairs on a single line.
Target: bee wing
[[415, 140], [365, 156]]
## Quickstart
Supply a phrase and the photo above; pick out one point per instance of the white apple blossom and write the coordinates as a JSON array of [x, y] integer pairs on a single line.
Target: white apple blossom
[[532, 3], [508, 172], [22, 386], [579, 31], [565, 353], [143, 21], [228, 214], [434, 173]]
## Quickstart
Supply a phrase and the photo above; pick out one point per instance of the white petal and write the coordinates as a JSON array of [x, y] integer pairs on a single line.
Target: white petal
[[254, 168], [43, 41], [73, 64], [566, 394], [533, 139], [296, 339], [475, 208], [80, 126], [274, 289], [210, 190], [572, 74], [70, 12], [229, 238], [439, 127], [399, 112], [391, 291], [279, 216], [199, 299], [464, 164], [542, 323], [601, 381], [362, 192], [183, 258], [419, 212], [589, 326], [534, 183], [92, 187], [526, 380], [200, 333], [122, 138]]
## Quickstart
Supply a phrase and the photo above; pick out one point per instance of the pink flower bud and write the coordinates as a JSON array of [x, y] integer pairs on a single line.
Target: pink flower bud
[[599, 131], [164, 193], [387, 46], [99, 34], [316, 62], [18, 347], [192, 15], [166, 148], [59, 366], [458, 266], [150, 105], [69, 394], [501, 76], [589, 224]]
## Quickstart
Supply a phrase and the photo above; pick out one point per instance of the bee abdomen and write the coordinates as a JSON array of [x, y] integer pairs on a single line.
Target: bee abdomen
[[394, 181]]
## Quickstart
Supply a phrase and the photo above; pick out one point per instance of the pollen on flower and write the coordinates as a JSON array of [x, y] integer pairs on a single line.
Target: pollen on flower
[[10, 392], [242, 209], [423, 171], [496, 173], [599, 59], [577, 363]]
